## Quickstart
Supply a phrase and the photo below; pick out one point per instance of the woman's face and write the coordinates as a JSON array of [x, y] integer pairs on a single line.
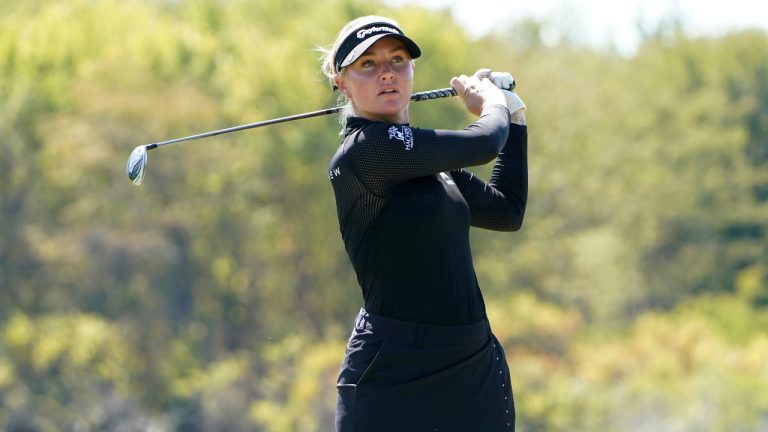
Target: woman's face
[[380, 82]]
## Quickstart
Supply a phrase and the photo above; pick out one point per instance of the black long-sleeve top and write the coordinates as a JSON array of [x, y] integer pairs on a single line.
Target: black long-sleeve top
[[405, 205]]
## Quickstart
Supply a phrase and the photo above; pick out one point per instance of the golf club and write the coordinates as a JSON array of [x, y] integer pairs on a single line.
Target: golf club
[[137, 161]]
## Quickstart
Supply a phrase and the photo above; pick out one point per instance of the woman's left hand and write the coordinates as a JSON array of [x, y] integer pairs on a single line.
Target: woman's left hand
[[516, 106]]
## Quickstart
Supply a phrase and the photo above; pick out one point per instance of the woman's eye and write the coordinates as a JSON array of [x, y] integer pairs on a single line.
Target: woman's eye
[[397, 59], [368, 64]]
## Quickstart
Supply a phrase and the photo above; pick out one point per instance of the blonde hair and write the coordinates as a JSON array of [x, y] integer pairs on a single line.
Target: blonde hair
[[328, 68]]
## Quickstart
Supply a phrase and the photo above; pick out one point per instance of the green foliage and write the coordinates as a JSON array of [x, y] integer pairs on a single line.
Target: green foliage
[[218, 296]]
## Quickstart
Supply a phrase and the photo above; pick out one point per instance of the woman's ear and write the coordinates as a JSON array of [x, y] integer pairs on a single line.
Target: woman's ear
[[341, 85]]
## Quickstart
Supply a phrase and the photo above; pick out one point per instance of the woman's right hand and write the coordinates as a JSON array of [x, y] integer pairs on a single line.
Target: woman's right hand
[[478, 91]]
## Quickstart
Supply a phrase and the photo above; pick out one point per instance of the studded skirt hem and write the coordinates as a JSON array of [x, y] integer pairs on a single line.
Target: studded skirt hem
[[403, 376]]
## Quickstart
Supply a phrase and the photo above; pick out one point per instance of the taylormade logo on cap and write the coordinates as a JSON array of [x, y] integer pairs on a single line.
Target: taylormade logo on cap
[[366, 32]]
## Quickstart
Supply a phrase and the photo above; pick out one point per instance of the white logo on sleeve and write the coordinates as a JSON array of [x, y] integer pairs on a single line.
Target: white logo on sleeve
[[448, 179], [403, 134]]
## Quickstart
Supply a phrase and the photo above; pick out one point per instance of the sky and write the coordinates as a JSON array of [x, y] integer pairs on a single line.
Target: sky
[[606, 23]]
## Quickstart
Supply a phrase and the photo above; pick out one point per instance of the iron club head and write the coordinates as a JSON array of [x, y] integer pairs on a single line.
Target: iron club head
[[137, 164]]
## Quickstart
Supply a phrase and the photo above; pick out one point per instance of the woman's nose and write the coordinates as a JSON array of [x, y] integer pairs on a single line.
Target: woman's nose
[[387, 72]]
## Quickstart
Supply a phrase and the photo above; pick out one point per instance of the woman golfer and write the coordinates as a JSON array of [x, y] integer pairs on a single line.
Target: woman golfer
[[421, 356]]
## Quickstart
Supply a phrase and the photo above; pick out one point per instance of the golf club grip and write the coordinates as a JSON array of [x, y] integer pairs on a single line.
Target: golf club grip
[[433, 94], [442, 93]]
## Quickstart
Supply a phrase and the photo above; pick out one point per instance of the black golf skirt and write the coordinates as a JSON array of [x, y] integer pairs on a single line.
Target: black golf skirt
[[403, 376]]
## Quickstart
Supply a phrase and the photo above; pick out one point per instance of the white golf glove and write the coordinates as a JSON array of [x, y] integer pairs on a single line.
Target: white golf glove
[[516, 106], [503, 80]]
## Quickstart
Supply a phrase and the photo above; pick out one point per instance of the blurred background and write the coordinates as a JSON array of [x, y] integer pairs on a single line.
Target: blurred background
[[218, 296]]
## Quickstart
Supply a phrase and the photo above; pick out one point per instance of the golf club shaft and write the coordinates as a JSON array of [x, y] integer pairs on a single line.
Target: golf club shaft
[[416, 97]]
